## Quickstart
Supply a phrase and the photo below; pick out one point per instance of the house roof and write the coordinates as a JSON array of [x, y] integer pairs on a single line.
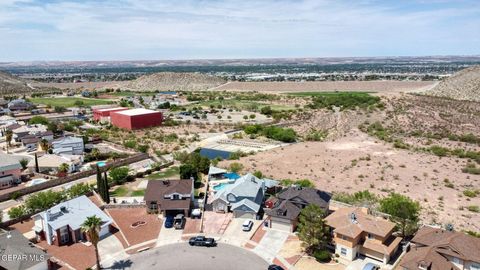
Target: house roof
[[14, 243], [158, 189], [451, 243], [343, 223], [248, 189], [427, 258], [133, 112], [31, 129], [28, 140], [66, 140], [291, 201], [111, 109], [8, 162], [73, 213]]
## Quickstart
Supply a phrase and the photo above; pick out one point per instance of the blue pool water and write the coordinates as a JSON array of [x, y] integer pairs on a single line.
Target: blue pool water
[[220, 186], [232, 175], [214, 153], [101, 163]]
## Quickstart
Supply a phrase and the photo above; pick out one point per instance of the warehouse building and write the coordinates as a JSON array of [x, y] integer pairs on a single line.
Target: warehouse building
[[136, 118], [103, 114]]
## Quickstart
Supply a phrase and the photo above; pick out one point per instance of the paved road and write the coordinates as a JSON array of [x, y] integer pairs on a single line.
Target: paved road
[[183, 257]]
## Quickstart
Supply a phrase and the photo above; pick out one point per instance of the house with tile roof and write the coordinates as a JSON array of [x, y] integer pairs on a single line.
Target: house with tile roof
[[169, 197], [438, 249], [20, 254], [10, 170], [244, 197], [286, 207], [355, 232], [61, 224]]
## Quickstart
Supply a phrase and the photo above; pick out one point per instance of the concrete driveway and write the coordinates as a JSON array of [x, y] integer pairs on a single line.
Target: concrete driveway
[[169, 236], [271, 243], [360, 262], [234, 234], [110, 248]]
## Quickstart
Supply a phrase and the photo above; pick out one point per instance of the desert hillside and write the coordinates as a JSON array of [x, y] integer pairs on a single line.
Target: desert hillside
[[12, 85], [166, 81], [463, 85]]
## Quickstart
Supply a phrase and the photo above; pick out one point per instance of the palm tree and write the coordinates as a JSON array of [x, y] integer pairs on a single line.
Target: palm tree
[[8, 138], [91, 226], [63, 168], [44, 145]]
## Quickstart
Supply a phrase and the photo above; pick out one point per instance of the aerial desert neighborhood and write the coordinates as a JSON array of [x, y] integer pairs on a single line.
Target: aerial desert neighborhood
[[228, 134]]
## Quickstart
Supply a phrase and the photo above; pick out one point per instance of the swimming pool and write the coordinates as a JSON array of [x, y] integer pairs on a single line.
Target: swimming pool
[[220, 186], [232, 175], [101, 163]]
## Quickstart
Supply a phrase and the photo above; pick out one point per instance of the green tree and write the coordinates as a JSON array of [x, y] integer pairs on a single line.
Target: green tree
[[24, 163], [258, 174], [36, 163], [78, 190], [119, 175], [403, 210], [60, 109], [79, 103], [38, 120], [63, 168], [8, 138], [16, 212], [91, 226], [267, 110], [45, 145], [312, 229], [187, 171], [43, 200], [236, 167]]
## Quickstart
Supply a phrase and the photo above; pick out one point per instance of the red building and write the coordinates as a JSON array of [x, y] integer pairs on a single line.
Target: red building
[[136, 118], [104, 114]]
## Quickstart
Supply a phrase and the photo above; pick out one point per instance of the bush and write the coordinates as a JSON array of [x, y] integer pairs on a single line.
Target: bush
[[143, 148], [322, 256], [471, 168], [38, 120], [130, 144], [43, 200], [315, 135], [78, 190], [236, 167], [471, 193], [473, 208], [16, 212], [344, 100], [119, 175]]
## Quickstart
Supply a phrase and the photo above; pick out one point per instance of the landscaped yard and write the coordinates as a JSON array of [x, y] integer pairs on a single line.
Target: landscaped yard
[[70, 101], [171, 172], [120, 191]]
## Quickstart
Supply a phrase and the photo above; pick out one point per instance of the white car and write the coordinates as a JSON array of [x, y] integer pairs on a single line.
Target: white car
[[247, 225]]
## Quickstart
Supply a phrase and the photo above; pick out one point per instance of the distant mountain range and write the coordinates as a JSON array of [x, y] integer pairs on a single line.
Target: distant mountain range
[[240, 62]]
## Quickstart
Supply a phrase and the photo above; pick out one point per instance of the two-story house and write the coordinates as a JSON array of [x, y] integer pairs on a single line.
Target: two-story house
[[68, 145], [19, 253], [434, 248], [244, 197], [286, 207], [169, 197], [356, 232], [10, 170], [61, 224]]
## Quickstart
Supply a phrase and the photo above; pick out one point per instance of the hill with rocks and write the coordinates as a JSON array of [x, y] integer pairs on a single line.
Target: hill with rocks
[[463, 85], [10, 85], [173, 81]]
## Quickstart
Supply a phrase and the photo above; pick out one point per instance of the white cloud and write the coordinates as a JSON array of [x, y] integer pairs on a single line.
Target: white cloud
[[147, 29]]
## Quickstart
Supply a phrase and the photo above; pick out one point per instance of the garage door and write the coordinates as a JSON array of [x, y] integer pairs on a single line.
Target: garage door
[[242, 214], [281, 226]]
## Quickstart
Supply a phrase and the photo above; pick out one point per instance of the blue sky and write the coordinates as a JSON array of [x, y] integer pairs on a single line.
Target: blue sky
[[199, 29]]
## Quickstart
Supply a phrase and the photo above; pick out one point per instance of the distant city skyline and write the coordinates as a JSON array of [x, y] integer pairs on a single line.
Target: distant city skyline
[[75, 30]]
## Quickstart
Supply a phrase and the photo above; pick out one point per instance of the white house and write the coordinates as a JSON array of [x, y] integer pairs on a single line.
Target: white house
[[68, 145]]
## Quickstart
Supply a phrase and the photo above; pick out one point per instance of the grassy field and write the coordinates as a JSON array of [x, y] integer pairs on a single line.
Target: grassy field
[[120, 191], [172, 172], [130, 94], [69, 101], [318, 94], [247, 105]]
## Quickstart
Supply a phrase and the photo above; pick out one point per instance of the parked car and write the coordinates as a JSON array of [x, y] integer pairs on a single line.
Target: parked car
[[202, 241], [179, 221], [371, 266], [275, 267], [247, 225], [169, 222]]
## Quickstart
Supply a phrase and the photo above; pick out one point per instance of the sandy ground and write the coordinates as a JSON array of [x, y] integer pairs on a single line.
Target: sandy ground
[[80, 85], [375, 86], [357, 162]]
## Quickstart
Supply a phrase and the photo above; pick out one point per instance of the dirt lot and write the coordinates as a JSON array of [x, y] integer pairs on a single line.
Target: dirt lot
[[358, 162], [375, 86]]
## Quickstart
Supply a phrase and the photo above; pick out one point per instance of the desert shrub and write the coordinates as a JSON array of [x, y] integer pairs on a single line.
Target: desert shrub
[[316, 135], [473, 208], [344, 100], [322, 256], [272, 132], [357, 198], [16, 212], [471, 168], [130, 144], [471, 193], [439, 151]]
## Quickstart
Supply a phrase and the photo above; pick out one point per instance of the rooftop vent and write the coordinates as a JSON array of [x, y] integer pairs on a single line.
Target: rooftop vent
[[63, 209], [166, 182], [353, 218]]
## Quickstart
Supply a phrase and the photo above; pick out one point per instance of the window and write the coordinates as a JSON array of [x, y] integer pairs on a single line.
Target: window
[[475, 266], [457, 260], [369, 236], [343, 251]]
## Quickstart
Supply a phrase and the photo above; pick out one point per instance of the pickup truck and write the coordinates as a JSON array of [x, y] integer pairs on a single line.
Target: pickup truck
[[202, 241], [179, 222]]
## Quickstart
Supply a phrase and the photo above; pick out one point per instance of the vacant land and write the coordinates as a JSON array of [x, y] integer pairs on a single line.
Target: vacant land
[[358, 162], [69, 101], [362, 86]]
